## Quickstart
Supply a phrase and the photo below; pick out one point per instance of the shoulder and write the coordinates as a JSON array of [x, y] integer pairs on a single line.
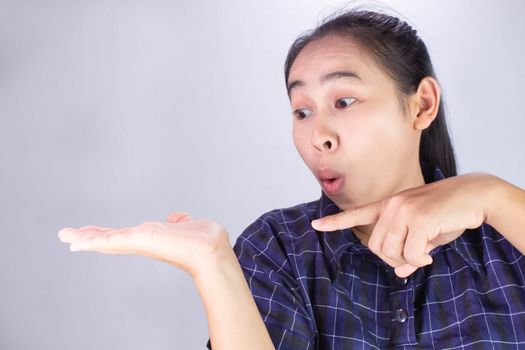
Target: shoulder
[[284, 224], [288, 216], [269, 252], [274, 237], [486, 247], [497, 246]]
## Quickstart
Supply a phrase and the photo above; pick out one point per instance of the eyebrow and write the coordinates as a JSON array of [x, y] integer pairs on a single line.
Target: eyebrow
[[327, 77]]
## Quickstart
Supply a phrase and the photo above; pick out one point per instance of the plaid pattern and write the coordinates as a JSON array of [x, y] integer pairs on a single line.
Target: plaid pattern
[[324, 290]]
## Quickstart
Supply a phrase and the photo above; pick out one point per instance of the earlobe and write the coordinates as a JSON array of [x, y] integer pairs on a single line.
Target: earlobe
[[428, 96]]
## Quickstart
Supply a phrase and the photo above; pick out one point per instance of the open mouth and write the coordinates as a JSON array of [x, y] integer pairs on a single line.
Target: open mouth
[[331, 181], [332, 185]]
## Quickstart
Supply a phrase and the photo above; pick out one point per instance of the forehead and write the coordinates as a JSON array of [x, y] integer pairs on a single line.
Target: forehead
[[334, 53]]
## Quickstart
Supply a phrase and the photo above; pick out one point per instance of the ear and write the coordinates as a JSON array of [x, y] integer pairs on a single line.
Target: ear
[[426, 102]]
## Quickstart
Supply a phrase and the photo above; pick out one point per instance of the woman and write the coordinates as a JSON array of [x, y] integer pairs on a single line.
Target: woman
[[419, 256]]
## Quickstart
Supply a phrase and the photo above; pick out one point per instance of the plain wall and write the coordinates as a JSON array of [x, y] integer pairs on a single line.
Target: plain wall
[[118, 112]]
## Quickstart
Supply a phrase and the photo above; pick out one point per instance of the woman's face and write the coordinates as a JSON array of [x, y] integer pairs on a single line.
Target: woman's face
[[349, 124]]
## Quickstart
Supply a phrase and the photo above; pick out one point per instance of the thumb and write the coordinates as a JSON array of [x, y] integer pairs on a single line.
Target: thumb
[[175, 217]]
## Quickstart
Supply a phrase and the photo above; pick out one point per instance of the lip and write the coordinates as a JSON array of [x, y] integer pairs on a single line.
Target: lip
[[328, 174], [331, 181]]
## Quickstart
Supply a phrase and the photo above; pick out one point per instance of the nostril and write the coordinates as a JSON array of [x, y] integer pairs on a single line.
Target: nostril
[[328, 144]]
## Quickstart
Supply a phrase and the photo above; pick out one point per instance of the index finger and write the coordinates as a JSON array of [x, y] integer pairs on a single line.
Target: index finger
[[362, 215]]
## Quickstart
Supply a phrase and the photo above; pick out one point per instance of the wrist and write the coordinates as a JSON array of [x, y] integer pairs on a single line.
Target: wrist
[[234, 321], [221, 263], [495, 191]]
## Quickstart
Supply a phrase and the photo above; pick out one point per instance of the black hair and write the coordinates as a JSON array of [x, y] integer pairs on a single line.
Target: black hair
[[404, 57]]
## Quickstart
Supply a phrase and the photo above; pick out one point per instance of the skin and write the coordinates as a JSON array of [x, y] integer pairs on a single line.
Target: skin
[[201, 248], [368, 136], [374, 145]]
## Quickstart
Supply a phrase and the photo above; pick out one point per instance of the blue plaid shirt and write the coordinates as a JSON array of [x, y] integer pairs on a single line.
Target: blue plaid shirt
[[325, 290]]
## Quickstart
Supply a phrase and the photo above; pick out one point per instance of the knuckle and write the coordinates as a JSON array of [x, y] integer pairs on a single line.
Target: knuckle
[[390, 252], [395, 201], [406, 210], [403, 210], [375, 247], [419, 221], [413, 258], [352, 213], [333, 220]]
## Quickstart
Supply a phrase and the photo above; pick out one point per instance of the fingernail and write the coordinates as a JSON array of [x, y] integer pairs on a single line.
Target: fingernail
[[317, 223], [63, 231]]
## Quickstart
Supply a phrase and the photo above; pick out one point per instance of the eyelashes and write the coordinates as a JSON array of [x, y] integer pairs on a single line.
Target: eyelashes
[[341, 103], [348, 101], [301, 113]]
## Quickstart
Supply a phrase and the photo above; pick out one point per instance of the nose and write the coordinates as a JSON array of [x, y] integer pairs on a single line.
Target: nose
[[324, 137]]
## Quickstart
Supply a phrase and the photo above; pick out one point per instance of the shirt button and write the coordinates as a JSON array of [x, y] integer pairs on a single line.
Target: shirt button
[[401, 315], [403, 281]]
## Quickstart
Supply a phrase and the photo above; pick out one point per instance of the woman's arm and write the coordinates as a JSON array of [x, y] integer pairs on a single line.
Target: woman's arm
[[201, 248], [234, 321], [506, 212], [408, 225]]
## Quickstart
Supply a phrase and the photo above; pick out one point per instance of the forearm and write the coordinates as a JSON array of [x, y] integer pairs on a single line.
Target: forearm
[[506, 212], [234, 321]]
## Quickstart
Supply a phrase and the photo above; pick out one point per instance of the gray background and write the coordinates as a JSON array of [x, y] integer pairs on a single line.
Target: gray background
[[117, 112]]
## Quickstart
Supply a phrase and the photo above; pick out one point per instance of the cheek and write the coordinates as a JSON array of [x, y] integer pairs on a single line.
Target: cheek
[[302, 142], [371, 137], [358, 134], [390, 139], [299, 136]]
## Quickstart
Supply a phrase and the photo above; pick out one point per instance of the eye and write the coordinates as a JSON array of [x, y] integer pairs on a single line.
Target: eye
[[301, 113], [344, 102]]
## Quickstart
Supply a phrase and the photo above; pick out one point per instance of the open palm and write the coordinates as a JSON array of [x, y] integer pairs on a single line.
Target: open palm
[[181, 240]]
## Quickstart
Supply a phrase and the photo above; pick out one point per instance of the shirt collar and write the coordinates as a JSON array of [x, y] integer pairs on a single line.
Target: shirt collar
[[337, 242]]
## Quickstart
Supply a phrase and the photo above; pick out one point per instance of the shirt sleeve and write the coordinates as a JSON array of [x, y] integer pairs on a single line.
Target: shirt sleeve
[[263, 253], [283, 339]]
